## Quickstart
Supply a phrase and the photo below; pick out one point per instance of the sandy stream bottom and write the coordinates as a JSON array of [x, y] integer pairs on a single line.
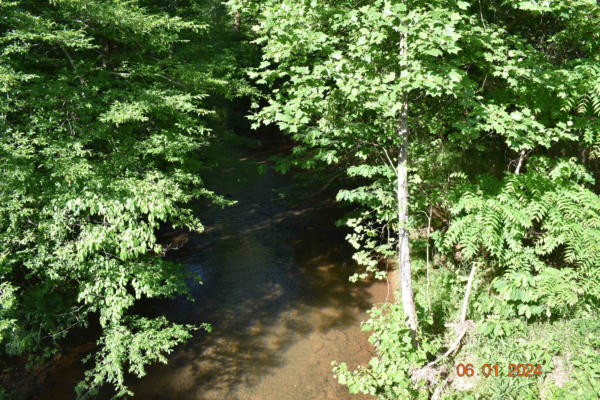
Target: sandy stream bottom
[[276, 291]]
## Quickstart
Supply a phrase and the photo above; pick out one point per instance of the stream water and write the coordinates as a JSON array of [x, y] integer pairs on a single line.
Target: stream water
[[275, 290]]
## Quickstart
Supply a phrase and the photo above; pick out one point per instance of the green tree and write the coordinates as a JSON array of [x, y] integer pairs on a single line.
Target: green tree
[[442, 95], [363, 85], [102, 106]]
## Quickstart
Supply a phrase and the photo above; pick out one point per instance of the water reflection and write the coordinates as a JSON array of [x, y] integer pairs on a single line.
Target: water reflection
[[277, 294]]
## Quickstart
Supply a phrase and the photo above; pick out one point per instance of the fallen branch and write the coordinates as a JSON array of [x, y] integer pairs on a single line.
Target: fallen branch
[[462, 323], [463, 314], [431, 372]]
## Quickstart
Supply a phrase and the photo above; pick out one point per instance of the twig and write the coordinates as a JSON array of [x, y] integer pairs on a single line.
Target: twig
[[73, 66], [325, 186], [390, 160], [481, 15]]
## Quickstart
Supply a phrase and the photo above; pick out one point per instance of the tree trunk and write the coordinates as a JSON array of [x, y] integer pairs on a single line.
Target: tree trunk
[[520, 162], [236, 20], [408, 301]]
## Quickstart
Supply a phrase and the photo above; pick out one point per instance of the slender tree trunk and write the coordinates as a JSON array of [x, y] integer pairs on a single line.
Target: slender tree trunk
[[215, 14], [462, 325], [408, 302], [463, 313], [236, 20], [520, 162], [427, 257]]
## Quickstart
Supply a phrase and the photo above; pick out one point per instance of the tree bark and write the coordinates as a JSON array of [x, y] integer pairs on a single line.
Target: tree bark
[[462, 322], [236, 20], [520, 162], [408, 302]]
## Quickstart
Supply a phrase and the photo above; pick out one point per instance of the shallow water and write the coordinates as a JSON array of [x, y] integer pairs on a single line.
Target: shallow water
[[275, 290]]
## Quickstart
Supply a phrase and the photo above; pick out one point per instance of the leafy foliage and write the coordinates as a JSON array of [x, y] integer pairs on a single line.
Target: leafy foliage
[[540, 229], [389, 374], [104, 104], [138, 341], [501, 100]]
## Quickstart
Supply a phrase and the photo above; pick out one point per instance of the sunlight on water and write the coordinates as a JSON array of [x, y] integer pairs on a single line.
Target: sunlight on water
[[277, 294]]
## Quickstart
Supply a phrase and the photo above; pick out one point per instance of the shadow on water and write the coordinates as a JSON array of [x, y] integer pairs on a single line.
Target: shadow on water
[[276, 292]]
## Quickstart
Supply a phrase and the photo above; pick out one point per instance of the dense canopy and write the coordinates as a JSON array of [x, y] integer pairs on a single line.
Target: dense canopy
[[467, 135]]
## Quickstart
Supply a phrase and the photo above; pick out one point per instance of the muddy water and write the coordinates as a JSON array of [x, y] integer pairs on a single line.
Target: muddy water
[[275, 290]]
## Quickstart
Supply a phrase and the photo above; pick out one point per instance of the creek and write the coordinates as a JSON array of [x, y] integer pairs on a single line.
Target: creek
[[276, 292]]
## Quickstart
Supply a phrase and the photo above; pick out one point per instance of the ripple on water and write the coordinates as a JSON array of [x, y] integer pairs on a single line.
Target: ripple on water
[[277, 294]]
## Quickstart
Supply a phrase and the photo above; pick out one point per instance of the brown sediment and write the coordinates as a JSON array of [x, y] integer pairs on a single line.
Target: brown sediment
[[392, 280], [276, 292]]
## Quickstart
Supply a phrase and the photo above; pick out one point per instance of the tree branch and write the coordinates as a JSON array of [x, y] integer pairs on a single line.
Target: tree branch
[[73, 66], [462, 325], [520, 163]]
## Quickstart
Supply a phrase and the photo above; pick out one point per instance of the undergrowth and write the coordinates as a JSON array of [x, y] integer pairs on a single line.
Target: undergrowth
[[567, 350]]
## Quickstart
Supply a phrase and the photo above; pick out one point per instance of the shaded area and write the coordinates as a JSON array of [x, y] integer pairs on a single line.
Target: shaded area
[[275, 290]]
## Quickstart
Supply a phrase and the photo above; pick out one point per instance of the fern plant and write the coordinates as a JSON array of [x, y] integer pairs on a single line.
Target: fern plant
[[582, 100], [541, 230], [586, 98]]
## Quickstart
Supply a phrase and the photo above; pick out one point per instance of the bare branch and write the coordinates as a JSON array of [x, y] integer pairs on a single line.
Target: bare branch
[[520, 162], [73, 66]]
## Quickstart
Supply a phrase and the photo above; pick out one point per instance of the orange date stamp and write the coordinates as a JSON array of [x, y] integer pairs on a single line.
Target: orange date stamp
[[487, 370]]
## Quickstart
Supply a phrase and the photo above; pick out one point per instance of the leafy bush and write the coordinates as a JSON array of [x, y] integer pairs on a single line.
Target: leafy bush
[[541, 233], [389, 374], [103, 108]]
